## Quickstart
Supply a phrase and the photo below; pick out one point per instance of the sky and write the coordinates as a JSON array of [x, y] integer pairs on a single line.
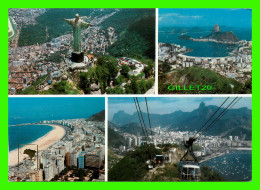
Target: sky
[[165, 105], [32, 109], [205, 17]]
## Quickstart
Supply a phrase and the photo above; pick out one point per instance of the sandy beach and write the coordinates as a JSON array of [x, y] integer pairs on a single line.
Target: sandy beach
[[44, 142]]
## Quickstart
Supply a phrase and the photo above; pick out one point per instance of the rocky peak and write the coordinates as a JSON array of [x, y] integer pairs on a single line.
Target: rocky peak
[[202, 105], [216, 28]]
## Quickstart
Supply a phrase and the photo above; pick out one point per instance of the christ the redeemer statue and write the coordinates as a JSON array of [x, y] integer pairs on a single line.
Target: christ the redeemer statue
[[77, 24]]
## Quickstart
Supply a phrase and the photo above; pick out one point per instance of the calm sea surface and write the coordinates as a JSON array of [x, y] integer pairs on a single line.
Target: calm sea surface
[[25, 134], [31, 110], [204, 49], [235, 166]]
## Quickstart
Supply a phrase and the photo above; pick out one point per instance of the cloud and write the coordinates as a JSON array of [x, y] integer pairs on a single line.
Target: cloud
[[167, 16], [190, 17], [171, 16]]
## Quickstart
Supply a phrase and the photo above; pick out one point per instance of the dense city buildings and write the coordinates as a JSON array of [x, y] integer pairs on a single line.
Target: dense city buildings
[[210, 145], [238, 65]]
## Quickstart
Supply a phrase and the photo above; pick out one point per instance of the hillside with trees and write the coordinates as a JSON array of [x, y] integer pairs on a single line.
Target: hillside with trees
[[52, 20], [137, 41], [199, 76], [99, 117], [133, 166]]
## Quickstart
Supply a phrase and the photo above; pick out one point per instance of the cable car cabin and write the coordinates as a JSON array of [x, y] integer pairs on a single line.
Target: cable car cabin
[[166, 158], [189, 171], [159, 159]]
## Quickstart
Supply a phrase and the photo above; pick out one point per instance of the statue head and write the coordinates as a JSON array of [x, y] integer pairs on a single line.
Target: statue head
[[77, 16]]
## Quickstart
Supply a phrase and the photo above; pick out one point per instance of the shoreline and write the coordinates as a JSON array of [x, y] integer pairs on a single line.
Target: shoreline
[[242, 148], [212, 157], [43, 143], [24, 124], [230, 54], [223, 153]]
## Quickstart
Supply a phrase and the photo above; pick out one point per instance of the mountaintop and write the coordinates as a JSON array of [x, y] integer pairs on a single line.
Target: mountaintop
[[216, 28], [100, 116], [219, 36]]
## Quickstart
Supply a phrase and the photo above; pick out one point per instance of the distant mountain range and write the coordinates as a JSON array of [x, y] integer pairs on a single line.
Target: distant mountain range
[[100, 116], [235, 122], [131, 128]]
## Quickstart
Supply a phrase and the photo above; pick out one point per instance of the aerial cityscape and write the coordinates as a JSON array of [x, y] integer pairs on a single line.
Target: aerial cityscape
[[205, 47], [129, 95], [48, 148], [154, 148], [80, 51]]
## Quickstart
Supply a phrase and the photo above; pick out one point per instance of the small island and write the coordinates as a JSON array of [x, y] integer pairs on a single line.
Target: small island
[[216, 36]]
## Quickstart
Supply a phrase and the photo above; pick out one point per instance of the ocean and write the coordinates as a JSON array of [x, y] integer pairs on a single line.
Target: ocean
[[29, 134], [234, 166], [203, 49], [31, 109]]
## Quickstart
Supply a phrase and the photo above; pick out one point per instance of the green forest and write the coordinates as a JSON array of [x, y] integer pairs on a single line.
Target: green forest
[[52, 19], [133, 166], [138, 41], [126, 18], [105, 72], [115, 139], [62, 87]]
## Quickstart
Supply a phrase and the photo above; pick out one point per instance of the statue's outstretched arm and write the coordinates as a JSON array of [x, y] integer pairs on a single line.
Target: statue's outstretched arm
[[69, 21], [85, 24]]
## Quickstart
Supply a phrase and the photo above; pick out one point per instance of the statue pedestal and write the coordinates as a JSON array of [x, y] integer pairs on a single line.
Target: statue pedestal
[[77, 57], [74, 63], [79, 65]]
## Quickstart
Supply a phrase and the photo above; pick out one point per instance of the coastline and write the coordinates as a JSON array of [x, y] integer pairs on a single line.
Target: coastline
[[211, 157], [43, 143], [223, 153]]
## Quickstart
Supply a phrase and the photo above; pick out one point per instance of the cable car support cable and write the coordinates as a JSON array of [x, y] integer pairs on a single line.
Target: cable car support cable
[[220, 115], [139, 117], [211, 117], [149, 118]]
